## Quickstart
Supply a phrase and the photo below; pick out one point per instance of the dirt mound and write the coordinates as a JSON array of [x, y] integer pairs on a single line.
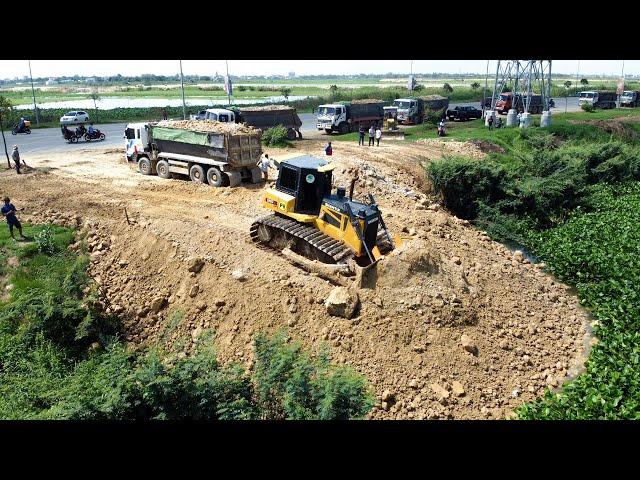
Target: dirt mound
[[487, 147], [366, 101], [618, 127], [208, 126], [466, 149], [523, 331], [266, 108]]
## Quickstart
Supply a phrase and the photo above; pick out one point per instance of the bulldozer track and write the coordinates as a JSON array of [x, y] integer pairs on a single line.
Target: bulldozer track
[[332, 248]]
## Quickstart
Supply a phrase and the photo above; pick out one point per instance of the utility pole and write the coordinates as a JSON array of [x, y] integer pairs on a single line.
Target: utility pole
[[486, 85], [618, 105], [33, 91], [184, 108], [578, 74], [228, 82]]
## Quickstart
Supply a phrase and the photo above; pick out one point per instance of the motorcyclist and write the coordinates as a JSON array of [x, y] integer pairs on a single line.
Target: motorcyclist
[[91, 130], [441, 127], [499, 123]]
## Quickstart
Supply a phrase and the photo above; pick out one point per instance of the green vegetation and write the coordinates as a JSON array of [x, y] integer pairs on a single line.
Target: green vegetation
[[570, 195], [60, 357], [275, 137]]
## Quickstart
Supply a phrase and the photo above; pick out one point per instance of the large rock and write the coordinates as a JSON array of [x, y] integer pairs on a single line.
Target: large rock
[[342, 302], [195, 264], [468, 344], [157, 304]]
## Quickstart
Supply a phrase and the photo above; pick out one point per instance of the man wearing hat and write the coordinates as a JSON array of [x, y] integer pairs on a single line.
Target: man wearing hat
[[16, 157]]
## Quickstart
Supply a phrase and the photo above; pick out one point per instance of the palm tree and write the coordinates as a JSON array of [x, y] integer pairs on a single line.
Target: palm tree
[[94, 96], [285, 91], [5, 111]]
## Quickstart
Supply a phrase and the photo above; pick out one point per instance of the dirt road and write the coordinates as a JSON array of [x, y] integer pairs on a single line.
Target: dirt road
[[522, 331]]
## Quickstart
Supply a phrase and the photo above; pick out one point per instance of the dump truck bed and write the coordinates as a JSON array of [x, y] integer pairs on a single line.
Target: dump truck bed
[[235, 144]]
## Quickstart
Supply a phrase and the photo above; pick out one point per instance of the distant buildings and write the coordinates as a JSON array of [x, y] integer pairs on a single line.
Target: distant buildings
[[292, 74], [51, 81]]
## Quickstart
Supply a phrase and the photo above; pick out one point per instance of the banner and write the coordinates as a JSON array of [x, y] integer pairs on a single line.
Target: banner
[[411, 83], [228, 88], [620, 86]]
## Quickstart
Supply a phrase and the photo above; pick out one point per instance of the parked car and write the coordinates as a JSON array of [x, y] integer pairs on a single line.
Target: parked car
[[74, 117], [463, 113]]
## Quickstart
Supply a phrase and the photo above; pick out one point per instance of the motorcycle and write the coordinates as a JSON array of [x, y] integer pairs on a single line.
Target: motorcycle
[[69, 136], [96, 135], [25, 129], [441, 131], [552, 104]]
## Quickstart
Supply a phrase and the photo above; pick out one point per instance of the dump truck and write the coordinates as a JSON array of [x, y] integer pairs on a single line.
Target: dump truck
[[630, 98], [220, 154], [410, 110], [598, 99], [269, 116], [506, 103], [347, 117]]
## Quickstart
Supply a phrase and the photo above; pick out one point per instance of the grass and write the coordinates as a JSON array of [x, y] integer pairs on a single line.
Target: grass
[[61, 357], [570, 195]]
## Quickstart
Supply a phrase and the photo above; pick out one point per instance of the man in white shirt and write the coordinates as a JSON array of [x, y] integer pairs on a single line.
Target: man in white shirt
[[265, 164], [378, 136]]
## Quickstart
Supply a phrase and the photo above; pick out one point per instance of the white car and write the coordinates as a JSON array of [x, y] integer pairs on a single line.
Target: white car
[[74, 117]]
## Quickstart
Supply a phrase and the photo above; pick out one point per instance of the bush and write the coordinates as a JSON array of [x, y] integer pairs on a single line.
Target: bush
[[275, 137], [292, 385], [44, 240], [587, 107]]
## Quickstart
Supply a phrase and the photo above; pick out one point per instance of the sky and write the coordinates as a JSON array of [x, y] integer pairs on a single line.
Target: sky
[[54, 68]]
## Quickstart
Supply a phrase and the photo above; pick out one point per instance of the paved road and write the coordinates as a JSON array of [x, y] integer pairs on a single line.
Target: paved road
[[43, 140]]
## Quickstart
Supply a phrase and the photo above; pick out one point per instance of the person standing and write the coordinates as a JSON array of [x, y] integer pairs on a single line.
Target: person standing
[[16, 157], [491, 122], [265, 164], [361, 135], [9, 212], [372, 134], [164, 113], [378, 136], [328, 150]]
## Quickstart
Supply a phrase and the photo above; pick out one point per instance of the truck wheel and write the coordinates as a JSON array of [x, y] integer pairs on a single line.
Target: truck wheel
[[328, 131], [343, 128], [162, 167], [214, 177], [291, 134], [144, 166], [196, 174]]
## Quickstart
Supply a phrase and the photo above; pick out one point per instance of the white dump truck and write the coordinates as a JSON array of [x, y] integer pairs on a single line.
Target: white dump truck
[[217, 153]]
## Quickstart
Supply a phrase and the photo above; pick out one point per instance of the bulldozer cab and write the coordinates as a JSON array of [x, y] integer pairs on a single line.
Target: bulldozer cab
[[308, 179]]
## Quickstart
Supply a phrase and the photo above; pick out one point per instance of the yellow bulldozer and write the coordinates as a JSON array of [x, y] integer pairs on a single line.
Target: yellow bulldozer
[[320, 225]]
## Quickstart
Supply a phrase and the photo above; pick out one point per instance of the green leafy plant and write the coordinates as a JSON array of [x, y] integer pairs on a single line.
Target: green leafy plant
[[44, 240], [275, 137], [587, 107]]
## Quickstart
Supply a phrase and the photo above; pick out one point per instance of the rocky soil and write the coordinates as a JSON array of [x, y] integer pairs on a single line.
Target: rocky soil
[[457, 326]]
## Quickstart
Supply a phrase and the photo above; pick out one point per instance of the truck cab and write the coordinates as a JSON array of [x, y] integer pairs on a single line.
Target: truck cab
[[408, 110], [332, 117], [629, 98], [136, 140], [590, 97], [219, 115], [505, 102]]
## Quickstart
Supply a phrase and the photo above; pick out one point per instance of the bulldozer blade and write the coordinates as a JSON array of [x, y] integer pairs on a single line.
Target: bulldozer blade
[[365, 277]]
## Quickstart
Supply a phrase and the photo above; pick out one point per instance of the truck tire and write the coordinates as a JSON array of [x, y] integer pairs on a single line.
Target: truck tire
[[144, 166], [328, 131], [214, 177], [162, 167], [196, 174], [343, 128], [291, 134]]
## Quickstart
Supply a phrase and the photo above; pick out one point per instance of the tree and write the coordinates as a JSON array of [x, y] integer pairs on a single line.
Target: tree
[[94, 96], [584, 81], [447, 88], [475, 86], [285, 91], [5, 111]]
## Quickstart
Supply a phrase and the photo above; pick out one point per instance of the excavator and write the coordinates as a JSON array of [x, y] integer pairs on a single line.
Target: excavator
[[320, 225]]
